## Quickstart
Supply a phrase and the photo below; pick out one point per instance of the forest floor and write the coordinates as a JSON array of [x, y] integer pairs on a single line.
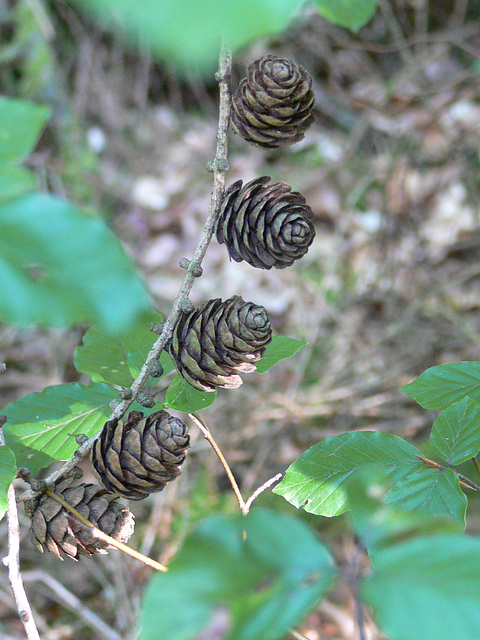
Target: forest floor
[[390, 286]]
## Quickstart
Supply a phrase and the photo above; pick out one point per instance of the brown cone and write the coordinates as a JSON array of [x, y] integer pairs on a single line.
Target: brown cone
[[273, 106], [265, 224], [54, 529], [219, 340], [137, 456]]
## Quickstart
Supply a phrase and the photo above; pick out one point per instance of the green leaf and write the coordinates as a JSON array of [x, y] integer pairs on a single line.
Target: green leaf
[[42, 427], [15, 181], [456, 433], [433, 491], [427, 589], [280, 347], [263, 571], [440, 387], [21, 123], [114, 358], [378, 523], [8, 471], [352, 14], [189, 32], [316, 480], [181, 396], [60, 266]]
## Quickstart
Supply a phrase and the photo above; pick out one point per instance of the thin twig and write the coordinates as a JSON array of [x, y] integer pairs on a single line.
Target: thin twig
[[101, 535], [219, 167], [208, 436], [244, 506], [297, 635], [464, 481], [261, 489], [66, 598], [12, 561]]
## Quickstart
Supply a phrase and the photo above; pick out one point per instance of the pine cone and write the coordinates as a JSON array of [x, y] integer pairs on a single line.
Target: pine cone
[[213, 344], [265, 224], [54, 529], [137, 456], [272, 107]]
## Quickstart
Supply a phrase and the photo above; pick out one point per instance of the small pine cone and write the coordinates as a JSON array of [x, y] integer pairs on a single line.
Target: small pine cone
[[213, 344], [54, 529], [273, 106], [265, 224], [137, 456]]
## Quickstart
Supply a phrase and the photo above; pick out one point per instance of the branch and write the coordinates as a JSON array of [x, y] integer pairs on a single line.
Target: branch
[[219, 167], [12, 561]]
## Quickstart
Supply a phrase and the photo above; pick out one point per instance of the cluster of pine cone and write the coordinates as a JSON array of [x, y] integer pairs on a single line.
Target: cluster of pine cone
[[132, 458], [267, 225]]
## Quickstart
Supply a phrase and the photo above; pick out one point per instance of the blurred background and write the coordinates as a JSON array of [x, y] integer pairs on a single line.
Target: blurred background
[[390, 286]]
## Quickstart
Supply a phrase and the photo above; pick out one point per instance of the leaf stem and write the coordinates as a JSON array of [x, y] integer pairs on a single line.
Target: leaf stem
[[101, 535], [208, 436], [219, 167], [464, 481]]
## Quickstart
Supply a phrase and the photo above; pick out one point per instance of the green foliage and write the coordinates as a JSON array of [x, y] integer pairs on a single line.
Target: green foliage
[[8, 471], [440, 387], [181, 396], [280, 348], [60, 266], [352, 14], [435, 492], [117, 359], [42, 427], [189, 32], [427, 588], [456, 432], [316, 480], [21, 123], [248, 567]]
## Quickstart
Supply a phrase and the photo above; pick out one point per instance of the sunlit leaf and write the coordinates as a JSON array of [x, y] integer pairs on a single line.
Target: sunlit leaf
[[280, 347], [316, 480], [42, 427], [440, 387]]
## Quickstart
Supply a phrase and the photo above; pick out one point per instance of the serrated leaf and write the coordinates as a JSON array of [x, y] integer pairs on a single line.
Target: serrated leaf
[[250, 569], [352, 14], [188, 33], [441, 386], [21, 123], [433, 491], [113, 358], [42, 427], [456, 433], [316, 480], [183, 397], [427, 589], [8, 471], [60, 266], [280, 348]]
